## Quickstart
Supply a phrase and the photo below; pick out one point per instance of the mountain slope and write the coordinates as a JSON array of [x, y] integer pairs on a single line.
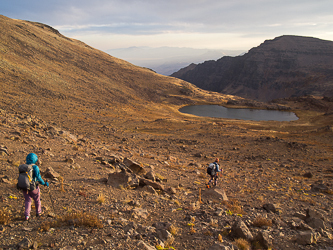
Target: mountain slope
[[283, 67], [45, 73]]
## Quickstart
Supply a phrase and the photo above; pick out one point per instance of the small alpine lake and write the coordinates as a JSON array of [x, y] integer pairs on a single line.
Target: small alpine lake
[[218, 111]]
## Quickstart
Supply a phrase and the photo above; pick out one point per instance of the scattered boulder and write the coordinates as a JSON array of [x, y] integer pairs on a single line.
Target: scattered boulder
[[2, 149], [215, 193], [70, 160], [50, 173], [265, 239], [308, 175], [155, 185], [306, 238], [151, 175], [319, 187], [24, 244], [240, 230], [164, 235], [122, 179], [220, 246], [269, 207], [140, 212], [316, 218], [144, 246], [149, 189], [134, 166]]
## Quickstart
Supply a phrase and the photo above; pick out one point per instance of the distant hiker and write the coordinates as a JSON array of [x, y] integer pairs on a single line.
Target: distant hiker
[[28, 180], [212, 170]]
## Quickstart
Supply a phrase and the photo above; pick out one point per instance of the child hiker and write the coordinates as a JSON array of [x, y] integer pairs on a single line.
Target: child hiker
[[30, 173], [213, 170]]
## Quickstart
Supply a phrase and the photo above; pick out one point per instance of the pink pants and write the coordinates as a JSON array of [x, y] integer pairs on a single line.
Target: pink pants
[[35, 195]]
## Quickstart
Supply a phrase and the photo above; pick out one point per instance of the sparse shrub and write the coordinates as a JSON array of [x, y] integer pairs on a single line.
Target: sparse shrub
[[101, 199], [174, 230], [169, 242], [5, 216], [235, 208], [261, 222], [76, 219], [242, 244], [208, 233], [191, 224], [62, 184]]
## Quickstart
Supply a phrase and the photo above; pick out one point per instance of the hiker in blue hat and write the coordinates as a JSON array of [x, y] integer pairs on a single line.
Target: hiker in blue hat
[[33, 192]]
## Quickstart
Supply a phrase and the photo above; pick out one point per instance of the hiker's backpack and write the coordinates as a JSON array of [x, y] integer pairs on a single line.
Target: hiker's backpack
[[25, 180], [211, 169]]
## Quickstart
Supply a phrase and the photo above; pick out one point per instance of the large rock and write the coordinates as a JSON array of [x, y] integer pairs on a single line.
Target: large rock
[[240, 230], [122, 179], [155, 185], [50, 173], [316, 218], [134, 166], [25, 244], [140, 212], [306, 238], [214, 193], [265, 239], [144, 246]]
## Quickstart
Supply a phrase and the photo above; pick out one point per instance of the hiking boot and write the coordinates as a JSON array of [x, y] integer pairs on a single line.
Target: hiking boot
[[26, 218], [40, 214]]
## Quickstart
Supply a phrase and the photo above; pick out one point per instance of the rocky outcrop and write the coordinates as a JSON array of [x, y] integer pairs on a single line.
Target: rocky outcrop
[[283, 67]]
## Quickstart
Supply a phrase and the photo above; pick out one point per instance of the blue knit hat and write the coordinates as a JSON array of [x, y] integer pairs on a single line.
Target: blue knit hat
[[31, 158]]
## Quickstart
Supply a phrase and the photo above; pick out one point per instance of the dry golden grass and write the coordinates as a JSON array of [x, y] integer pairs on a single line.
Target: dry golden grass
[[261, 222], [5, 216], [77, 219], [61, 184], [234, 207], [242, 244], [101, 199], [174, 230]]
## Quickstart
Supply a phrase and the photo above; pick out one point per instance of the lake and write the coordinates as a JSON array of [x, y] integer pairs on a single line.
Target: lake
[[241, 114]]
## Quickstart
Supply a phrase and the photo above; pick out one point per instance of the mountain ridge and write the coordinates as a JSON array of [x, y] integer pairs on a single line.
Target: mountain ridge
[[39, 65], [286, 66]]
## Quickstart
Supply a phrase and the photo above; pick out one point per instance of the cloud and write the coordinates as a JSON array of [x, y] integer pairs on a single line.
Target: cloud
[[160, 19]]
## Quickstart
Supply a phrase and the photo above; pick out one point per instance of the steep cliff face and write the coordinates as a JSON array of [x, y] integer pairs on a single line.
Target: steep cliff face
[[286, 66]]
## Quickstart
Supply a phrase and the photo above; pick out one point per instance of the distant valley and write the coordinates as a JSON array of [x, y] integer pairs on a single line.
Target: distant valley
[[167, 60]]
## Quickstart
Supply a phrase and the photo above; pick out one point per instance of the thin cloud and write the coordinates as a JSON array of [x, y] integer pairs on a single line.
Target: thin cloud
[[168, 19]]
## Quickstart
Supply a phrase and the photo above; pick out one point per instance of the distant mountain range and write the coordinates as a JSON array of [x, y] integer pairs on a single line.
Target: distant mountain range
[[167, 60], [287, 66]]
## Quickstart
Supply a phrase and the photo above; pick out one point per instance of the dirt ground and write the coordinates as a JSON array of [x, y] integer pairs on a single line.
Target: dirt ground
[[263, 163]]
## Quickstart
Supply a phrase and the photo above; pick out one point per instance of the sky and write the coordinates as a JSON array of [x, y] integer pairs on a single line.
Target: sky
[[204, 24]]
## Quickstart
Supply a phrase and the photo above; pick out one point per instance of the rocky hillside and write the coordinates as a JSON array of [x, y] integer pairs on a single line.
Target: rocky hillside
[[287, 66], [61, 79], [147, 190], [128, 171]]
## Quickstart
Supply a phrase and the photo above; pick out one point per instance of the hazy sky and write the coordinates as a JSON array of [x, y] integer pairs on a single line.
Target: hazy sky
[[220, 24]]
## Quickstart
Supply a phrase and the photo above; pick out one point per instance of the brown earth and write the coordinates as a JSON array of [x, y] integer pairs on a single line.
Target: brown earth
[[84, 131]]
